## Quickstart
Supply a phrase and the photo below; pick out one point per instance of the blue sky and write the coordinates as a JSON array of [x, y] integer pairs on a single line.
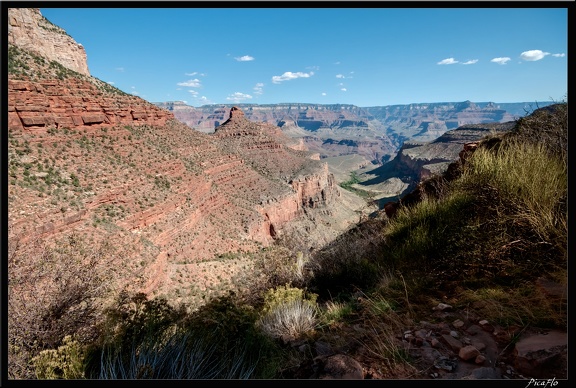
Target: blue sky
[[360, 56]]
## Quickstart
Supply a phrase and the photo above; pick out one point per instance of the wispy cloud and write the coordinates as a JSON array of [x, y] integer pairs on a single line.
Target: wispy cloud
[[193, 83], [323, 93], [194, 73], [120, 69], [342, 76], [344, 89], [244, 58], [533, 55], [258, 88], [500, 60], [193, 92], [559, 55], [289, 76], [237, 97], [447, 61], [470, 62]]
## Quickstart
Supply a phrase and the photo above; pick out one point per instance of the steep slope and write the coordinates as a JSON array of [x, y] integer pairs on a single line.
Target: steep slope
[[88, 159]]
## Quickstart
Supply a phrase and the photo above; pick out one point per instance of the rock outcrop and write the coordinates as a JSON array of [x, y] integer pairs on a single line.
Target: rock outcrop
[[28, 29], [38, 106]]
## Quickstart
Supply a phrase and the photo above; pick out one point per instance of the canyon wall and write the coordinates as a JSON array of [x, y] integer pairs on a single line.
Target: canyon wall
[[28, 29]]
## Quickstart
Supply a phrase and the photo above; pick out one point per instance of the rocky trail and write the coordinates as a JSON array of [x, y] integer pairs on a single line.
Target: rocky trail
[[459, 345]]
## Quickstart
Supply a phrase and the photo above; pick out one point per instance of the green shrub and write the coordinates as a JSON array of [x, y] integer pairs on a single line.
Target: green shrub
[[65, 362]]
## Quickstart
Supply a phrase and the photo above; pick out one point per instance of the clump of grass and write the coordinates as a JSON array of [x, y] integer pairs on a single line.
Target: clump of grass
[[288, 313], [417, 236], [529, 178], [335, 313], [289, 320]]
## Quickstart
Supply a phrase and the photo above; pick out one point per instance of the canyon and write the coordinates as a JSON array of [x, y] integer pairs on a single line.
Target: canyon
[[187, 196], [89, 160], [178, 188]]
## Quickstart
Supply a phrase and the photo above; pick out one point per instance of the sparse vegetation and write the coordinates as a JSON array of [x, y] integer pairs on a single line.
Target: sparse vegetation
[[482, 238], [478, 241]]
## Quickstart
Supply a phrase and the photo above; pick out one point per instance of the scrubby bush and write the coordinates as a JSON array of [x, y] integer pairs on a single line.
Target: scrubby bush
[[65, 362], [54, 291]]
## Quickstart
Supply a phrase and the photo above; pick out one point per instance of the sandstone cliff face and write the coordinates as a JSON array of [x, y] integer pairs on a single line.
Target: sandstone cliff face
[[28, 29]]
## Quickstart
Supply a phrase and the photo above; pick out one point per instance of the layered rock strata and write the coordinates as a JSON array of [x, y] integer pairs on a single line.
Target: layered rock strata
[[74, 103]]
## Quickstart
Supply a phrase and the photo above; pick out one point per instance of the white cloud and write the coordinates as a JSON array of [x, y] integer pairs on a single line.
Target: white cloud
[[447, 61], [533, 55], [343, 89], [323, 93], [204, 100], [193, 83], [120, 69], [289, 75], [340, 76], [500, 60], [244, 58], [470, 62], [193, 92], [258, 88], [237, 97], [560, 55], [191, 74]]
